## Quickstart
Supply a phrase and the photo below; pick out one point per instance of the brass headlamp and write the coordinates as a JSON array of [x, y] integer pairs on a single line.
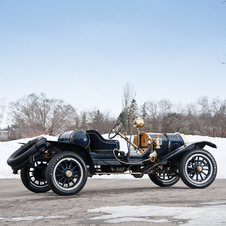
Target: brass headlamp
[[138, 123]]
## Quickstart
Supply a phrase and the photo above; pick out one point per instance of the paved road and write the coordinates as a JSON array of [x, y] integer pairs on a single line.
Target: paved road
[[18, 206]]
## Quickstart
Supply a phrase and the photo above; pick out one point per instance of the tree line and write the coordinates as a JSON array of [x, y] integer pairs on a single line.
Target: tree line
[[34, 115]]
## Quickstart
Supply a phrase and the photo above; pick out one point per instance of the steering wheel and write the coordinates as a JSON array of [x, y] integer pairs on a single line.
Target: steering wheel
[[115, 130]]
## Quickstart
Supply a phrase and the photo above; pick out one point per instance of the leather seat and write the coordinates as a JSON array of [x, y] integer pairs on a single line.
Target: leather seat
[[101, 145]]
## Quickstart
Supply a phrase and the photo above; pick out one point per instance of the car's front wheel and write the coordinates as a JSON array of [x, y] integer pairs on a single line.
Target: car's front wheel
[[198, 168], [66, 173]]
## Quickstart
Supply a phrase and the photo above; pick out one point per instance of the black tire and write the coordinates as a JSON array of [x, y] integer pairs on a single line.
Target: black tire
[[34, 177], [66, 173], [24, 152], [164, 179], [198, 168]]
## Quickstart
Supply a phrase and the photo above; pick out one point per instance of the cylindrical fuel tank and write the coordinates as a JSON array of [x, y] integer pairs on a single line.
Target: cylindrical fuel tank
[[76, 137]]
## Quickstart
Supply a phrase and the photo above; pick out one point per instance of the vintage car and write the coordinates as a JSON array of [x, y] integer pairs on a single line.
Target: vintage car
[[64, 165]]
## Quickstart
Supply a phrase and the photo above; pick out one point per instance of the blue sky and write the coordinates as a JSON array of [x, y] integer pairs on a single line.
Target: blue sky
[[84, 52]]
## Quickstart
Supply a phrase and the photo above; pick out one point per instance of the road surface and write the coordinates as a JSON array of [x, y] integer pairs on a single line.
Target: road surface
[[19, 206]]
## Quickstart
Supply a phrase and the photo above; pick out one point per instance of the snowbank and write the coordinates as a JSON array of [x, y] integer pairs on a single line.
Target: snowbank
[[7, 148]]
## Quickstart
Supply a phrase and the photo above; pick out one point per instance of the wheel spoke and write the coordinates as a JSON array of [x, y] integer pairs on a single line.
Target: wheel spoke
[[74, 167], [59, 170], [190, 168], [60, 179], [201, 177], [76, 172], [70, 165], [62, 166], [197, 177], [75, 176], [63, 184], [205, 173], [203, 162]]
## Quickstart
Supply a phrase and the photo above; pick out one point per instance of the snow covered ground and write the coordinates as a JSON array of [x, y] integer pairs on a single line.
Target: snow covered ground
[[7, 148], [182, 215]]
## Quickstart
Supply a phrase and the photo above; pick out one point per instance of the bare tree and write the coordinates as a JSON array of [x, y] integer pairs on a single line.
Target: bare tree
[[207, 117], [208, 113], [84, 120], [152, 119], [143, 110], [61, 116], [218, 116], [128, 95], [101, 121], [194, 125], [162, 118], [165, 112], [144, 115], [165, 107], [35, 114], [204, 117], [2, 110], [171, 122], [130, 108]]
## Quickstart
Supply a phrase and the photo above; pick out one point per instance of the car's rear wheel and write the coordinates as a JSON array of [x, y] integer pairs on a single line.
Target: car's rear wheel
[[198, 168], [164, 179], [34, 177], [66, 173]]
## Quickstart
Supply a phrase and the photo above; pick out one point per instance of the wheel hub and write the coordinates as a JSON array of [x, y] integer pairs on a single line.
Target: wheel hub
[[68, 173], [199, 168]]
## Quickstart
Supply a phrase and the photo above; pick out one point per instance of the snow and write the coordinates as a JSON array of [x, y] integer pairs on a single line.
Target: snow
[[7, 148], [31, 218], [186, 216]]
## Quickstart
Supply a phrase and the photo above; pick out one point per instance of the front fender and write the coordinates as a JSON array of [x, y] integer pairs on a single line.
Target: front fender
[[177, 153], [202, 144], [187, 147]]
